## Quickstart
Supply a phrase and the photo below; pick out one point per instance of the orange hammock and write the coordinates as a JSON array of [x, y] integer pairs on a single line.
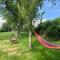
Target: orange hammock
[[46, 43]]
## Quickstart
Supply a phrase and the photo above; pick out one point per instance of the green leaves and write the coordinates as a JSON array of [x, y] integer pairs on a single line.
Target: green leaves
[[51, 29]]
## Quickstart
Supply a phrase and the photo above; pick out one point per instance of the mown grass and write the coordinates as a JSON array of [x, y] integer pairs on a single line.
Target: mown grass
[[5, 35], [21, 51]]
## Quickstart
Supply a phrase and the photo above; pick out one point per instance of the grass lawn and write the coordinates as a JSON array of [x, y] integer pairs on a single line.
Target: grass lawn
[[21, 51]]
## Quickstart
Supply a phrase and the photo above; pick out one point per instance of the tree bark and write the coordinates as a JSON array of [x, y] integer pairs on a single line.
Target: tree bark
[[18, 29], [19, 32], [30, 39]]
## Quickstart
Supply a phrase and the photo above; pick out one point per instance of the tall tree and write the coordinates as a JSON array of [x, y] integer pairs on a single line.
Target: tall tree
[[13, 10], [28, 10]]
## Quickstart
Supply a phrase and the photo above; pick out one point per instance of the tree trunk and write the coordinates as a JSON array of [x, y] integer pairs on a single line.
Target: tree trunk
[[19, 32], [30, 39]]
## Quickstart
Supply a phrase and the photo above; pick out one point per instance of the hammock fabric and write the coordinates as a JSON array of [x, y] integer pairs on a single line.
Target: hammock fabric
[[46, 43]]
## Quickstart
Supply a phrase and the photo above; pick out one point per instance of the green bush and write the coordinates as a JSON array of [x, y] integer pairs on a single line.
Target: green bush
[[50, 29]]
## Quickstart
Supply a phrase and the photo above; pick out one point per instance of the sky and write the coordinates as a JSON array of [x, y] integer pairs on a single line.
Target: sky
[[1, 21], [51, 12]]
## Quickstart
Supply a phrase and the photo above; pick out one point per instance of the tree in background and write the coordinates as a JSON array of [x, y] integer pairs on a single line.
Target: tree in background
[[50, 29], [53, 31], [5, 28]]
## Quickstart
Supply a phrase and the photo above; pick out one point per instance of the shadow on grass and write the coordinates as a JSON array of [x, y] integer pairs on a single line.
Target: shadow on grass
[[47, 54], [42, 53]]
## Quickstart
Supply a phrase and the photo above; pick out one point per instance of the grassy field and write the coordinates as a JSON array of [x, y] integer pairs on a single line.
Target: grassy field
[[21, 51]]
